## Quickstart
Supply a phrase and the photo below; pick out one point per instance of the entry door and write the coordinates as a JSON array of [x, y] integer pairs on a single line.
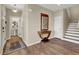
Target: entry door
[[3, 25], [58, 26]]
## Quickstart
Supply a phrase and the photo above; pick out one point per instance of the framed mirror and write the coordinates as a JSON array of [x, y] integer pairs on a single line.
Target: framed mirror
[[44, 21]]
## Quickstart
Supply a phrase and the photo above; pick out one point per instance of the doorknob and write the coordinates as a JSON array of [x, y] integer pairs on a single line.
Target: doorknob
[[2, 29]]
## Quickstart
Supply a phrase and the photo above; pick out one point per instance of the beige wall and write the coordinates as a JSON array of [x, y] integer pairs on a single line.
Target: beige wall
[[66, 20], [74, 13], [0, 28], [58, 24], [32, 24], [8, 23]]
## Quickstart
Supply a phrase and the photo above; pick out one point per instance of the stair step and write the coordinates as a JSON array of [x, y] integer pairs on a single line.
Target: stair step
[[74, 32], [73, 28], [73, 38], [72, 25], [69, 40], [72, 35]]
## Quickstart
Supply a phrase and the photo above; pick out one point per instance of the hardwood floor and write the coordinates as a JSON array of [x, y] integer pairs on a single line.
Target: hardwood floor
[[13, 44], [53, 47]]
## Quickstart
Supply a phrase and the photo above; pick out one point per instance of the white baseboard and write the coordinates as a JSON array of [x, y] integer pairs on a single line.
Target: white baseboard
[[34, 43], [1, 48]]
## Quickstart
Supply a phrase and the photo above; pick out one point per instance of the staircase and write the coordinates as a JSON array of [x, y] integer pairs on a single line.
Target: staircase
[[72, 33]]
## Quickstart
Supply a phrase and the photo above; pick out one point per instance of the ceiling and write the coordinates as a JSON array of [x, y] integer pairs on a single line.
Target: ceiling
[[15, 6], [52, 7], [56, 7]]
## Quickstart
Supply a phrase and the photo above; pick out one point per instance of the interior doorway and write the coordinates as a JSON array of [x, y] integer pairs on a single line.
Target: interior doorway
[[12, 30], [11, 24]]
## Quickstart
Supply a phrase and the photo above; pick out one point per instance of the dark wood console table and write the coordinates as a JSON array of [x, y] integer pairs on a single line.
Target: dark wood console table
[[44, 35]]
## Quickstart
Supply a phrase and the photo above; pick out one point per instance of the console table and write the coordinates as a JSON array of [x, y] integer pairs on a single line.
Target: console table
[[44, 35]]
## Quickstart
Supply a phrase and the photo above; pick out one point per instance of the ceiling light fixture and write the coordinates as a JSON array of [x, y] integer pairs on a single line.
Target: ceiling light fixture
[[15, 10]]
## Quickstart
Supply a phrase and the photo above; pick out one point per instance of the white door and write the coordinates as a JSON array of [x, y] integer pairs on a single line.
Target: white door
[[58, 26], [3, 25]]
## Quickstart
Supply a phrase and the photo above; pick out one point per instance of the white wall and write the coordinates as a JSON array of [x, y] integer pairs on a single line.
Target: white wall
[[61, 22], [25, 24], [2, 24], [3, 19], [58, 24], [0, 28], [32, 23]]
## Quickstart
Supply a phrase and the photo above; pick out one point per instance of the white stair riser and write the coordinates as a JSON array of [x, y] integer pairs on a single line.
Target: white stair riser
[[73, 27], [75, 38], [71, 40], [73, 23], [72, 34], [72, 30]]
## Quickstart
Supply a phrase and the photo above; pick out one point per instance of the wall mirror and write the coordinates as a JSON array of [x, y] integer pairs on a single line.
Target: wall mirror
[[44, 22]]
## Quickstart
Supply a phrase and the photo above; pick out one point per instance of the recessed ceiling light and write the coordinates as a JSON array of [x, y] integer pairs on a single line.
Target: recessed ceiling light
[[15, 10]]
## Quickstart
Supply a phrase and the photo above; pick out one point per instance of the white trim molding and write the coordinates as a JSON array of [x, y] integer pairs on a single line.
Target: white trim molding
[[33, 43]]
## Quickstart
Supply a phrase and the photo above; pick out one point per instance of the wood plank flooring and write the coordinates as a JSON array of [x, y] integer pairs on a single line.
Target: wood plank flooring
[[13, 44], [53, 47]]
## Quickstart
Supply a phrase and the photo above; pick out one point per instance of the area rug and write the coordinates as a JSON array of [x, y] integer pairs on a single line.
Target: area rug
[[13, 44]]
